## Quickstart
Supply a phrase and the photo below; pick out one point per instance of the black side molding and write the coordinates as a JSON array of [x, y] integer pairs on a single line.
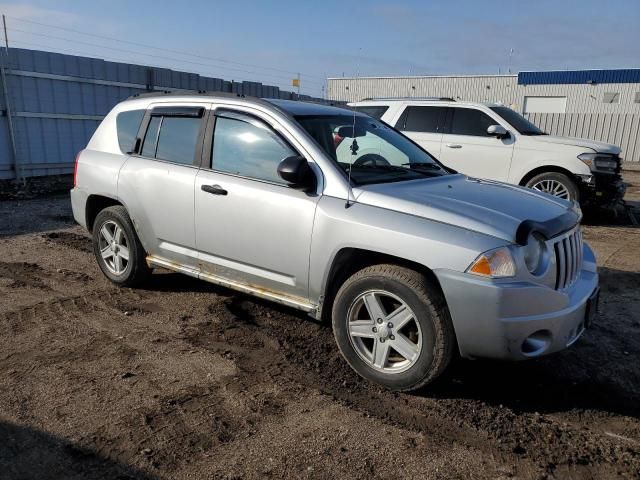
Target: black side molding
[[549, 229]]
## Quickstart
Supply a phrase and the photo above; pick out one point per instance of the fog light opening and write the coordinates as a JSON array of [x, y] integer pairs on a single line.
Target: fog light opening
[[536, 343]]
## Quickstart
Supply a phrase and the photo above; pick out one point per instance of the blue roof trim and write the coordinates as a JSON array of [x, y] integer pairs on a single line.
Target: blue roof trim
[[631, 75]]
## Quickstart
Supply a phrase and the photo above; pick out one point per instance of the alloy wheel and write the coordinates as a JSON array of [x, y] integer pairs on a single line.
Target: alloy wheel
[[552, 187], [384, 331], [114, 247]]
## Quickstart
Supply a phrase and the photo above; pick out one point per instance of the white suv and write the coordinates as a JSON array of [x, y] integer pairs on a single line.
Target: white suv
[[494, 142]]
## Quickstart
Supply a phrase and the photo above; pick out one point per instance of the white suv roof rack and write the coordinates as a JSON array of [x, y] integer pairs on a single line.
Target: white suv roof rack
[[442, 99]]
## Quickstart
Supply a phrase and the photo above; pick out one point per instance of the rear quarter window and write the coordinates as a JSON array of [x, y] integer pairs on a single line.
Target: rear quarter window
[[127, 124]]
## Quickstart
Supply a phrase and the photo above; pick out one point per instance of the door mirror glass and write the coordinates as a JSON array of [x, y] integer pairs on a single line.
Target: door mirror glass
[[295, 170], [497, 131]]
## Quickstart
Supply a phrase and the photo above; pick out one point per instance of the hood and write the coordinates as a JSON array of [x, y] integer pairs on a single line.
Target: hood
[[599, 147], [485, 206]]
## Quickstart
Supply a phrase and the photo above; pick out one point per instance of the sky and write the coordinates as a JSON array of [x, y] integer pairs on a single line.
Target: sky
[[273, 41]]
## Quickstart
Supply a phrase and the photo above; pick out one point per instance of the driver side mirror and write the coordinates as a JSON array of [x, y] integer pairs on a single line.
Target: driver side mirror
[[295, 170], [497, 131]]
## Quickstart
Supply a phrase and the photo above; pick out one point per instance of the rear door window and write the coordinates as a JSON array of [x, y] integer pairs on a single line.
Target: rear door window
[[422, 119], [178, 139], [468, 121], [174, 137]]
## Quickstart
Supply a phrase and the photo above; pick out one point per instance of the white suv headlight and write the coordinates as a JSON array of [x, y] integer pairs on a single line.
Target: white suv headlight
[[599, 161], [497, 263]]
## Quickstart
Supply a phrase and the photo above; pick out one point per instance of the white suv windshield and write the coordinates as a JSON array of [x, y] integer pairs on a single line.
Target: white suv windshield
[[375, 154]]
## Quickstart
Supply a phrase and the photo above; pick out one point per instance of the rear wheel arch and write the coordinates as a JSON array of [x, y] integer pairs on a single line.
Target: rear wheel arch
[[95, 204]]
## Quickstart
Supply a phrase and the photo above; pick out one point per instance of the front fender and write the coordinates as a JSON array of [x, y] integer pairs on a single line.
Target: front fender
[[364, 227]]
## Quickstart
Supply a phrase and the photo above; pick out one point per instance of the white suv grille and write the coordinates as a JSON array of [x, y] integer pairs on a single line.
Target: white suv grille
[[568, 250]]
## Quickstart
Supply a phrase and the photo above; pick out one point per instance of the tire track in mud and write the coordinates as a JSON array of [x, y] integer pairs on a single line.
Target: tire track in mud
[[79, 307], [24, 275], [271, 344], [199, 418], [71, 240]]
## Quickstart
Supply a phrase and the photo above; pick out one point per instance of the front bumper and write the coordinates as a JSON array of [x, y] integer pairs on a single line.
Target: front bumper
[[518, 320], [603, 190]]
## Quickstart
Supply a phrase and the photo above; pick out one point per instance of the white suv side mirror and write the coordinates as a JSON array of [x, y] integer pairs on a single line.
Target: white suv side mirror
[[497, 131]]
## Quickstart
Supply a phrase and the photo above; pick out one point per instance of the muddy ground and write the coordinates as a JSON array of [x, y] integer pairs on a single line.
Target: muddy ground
[[183, 379]]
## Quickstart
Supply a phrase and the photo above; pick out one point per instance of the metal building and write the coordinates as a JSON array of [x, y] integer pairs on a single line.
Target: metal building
[[50, 104], [596, 104]]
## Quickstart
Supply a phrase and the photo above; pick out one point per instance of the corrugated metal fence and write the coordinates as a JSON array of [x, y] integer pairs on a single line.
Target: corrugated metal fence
[[57, 101], [621, 129]]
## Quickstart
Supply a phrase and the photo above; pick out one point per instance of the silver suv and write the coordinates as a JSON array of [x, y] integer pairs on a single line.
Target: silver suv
[[410, 262]]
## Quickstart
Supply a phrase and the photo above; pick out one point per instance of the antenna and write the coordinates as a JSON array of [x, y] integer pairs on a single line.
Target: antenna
[[354, 144]]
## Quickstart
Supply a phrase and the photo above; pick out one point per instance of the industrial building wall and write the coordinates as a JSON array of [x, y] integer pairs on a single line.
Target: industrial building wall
[[480, 88], [57, 101], [585, 114]]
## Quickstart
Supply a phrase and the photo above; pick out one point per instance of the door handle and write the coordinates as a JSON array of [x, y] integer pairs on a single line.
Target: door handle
[[214, 189], [454, 145]]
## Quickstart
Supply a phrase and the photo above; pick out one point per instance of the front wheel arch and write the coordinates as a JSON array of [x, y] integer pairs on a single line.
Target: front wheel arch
[[545, 169], [348, 261]]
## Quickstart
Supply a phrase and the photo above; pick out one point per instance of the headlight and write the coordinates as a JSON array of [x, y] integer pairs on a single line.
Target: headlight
[[599, 161], [496, 263], [534, 253]]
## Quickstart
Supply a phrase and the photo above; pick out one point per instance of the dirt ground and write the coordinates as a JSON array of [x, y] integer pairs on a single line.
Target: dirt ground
[[183, 379]]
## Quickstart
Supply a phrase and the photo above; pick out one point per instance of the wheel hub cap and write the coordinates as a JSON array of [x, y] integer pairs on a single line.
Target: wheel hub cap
[[383, 332]]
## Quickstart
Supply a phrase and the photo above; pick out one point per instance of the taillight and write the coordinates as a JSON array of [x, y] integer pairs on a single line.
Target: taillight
[[75, 169], [337, 139]]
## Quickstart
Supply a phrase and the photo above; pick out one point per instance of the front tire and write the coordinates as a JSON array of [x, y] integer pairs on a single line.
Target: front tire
[[393, 327], [556, 184], [118, 250]]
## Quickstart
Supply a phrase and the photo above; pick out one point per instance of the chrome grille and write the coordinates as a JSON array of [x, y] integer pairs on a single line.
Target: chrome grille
[[568, 250]]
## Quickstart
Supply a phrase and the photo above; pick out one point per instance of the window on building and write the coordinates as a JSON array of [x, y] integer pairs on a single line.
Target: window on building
[[468, 121], [248, 148], [611, 97], [172, 138], [127, 125], [636, 98], [422, 119], [545, 104]]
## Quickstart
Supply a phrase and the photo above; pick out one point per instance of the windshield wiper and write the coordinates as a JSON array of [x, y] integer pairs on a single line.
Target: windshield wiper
[[430, 165], [390, 169], [532, 133]]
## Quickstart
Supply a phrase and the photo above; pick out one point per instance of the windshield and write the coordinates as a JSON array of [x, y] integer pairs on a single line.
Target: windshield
[[375, 154], [517, 121]]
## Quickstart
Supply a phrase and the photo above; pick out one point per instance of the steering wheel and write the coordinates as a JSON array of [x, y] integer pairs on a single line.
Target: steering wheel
[[372, 160]]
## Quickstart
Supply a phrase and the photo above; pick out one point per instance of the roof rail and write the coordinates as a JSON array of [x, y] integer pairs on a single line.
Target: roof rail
[[162, 93], [441, 99]]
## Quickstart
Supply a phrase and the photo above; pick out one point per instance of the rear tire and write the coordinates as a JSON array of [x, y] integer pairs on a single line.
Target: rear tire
[[118, 250], [393, 327], [556, 184]]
